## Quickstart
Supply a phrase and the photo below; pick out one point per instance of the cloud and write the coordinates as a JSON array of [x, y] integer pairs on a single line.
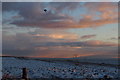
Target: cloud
[[54, 35], [100, 13], [60, 6], [106, 9], [59, 36], [34, 16], [26, 44], [48, 40], [114, 38], [89, 22], [87, 36], [100, 43]]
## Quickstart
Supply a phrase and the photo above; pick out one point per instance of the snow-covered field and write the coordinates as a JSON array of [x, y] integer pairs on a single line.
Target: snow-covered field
[[12, 67]]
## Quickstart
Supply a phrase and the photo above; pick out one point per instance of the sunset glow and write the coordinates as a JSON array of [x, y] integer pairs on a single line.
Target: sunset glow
[[84, 29]]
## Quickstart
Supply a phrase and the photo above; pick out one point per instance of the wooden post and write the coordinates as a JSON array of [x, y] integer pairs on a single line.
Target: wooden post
[[24, 74]]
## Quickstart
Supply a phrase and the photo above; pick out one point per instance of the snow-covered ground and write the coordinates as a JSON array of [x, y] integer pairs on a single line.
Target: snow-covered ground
[[12, 67]]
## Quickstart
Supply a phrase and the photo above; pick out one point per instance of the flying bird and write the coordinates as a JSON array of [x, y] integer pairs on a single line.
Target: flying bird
[[45, 10]]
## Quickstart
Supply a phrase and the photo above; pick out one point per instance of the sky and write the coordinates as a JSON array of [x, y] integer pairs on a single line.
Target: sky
[[65, 30], [60, 0]]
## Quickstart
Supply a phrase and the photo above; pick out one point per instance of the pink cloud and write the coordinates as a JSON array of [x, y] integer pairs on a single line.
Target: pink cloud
[[100, 43]]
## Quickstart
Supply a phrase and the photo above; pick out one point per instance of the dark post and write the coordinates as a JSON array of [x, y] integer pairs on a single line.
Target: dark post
[[24, 74]]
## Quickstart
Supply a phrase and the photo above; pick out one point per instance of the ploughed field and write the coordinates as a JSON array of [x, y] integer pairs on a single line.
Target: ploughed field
[[12, 68]]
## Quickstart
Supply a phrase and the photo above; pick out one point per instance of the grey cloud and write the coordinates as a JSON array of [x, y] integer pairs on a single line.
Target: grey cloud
[[34, 15], [88, 36], [27, 45]]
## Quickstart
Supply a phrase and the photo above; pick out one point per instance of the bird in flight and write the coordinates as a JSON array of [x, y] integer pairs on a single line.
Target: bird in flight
[[45, 10]]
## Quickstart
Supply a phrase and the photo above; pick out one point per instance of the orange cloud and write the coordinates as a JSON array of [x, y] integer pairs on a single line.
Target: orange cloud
[[59, 36], [95, 23]]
